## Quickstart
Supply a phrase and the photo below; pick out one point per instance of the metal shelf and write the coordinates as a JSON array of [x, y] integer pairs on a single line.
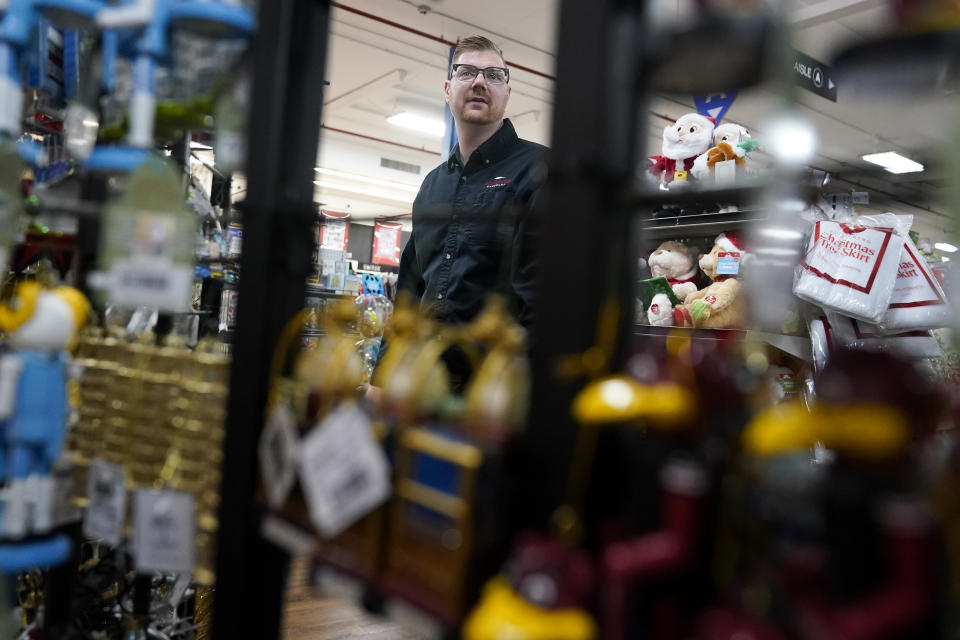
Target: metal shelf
[[643, 195], [670, 227], [797, 346], [314, 291]]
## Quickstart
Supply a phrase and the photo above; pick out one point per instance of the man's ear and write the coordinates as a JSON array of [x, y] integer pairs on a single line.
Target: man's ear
[[446, 91]]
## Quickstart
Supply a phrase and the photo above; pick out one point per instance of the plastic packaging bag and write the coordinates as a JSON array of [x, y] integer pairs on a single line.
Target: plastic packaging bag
[[852, 267], [830, 331], [918, 301]]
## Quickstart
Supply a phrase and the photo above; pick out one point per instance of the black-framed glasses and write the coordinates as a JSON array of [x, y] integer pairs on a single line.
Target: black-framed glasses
[[491, 75]]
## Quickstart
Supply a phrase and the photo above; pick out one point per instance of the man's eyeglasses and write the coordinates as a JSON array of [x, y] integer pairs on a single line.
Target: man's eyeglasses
[[492, 75]]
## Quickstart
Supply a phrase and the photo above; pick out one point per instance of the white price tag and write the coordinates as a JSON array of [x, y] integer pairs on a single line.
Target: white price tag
[[343, 470], [278, 454], [163, 531], [107, 498]]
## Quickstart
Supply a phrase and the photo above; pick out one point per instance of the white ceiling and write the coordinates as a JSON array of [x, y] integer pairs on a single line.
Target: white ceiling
[[376, 69]]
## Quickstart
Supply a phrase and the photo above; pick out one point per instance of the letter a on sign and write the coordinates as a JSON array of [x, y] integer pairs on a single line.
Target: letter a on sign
[[714, 105]]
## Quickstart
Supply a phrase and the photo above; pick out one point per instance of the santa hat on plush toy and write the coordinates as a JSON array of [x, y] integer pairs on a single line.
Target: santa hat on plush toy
[[730, 241]]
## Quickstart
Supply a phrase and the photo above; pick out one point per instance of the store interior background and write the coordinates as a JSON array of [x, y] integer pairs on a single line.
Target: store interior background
[[376, 70]]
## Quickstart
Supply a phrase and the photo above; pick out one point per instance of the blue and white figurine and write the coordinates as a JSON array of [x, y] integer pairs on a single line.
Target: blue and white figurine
[[40, 324]]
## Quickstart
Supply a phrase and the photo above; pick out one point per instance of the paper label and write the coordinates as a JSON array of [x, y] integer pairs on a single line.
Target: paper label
[[107, 496], [728, 263], [278, 454], [343, 471], [846, 255], [679, 176], [710, 299], [163, 531]]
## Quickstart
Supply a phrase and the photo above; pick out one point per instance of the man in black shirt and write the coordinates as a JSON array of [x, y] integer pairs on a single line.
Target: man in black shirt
[[471, 233]]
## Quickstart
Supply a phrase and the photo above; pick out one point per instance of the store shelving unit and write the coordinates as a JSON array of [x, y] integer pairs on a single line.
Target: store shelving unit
[[289, 55]]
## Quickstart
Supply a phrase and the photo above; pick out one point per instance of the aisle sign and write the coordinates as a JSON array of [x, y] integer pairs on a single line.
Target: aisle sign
[[814, 76], [714, 105]]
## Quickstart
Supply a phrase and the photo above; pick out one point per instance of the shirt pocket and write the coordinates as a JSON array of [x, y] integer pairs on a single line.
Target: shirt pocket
[[488, 224]]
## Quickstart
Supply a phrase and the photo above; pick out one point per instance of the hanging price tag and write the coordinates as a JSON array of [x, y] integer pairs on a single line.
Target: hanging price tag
[[157, 283], [107, 504], [163, 531], [343, 470], [278, 454], [728, 263]]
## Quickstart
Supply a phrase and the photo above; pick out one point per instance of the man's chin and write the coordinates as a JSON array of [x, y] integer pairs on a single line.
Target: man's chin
[[477, 117]]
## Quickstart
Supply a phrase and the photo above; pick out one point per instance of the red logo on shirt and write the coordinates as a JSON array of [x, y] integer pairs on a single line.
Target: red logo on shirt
[[496, 182]]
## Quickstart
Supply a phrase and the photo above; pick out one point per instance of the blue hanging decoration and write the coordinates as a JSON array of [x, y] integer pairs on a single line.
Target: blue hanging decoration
[[714, 105]]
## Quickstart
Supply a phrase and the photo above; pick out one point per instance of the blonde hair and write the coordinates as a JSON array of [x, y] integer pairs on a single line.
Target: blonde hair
[[475, 43]]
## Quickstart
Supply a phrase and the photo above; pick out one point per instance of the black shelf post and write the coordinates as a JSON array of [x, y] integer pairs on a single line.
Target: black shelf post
[[585, 228], [278, 216]]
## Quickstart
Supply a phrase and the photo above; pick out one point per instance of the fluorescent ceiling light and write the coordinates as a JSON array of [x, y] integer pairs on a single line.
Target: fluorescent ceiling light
[[408, 120], [893, 162], [401, 186], [943, 246], [370, 193], [944, 259], [196, 145]]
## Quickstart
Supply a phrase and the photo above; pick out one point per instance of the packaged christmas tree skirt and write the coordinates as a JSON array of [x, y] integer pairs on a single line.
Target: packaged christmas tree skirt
[[851, 267], [918, 301], [830, 331]]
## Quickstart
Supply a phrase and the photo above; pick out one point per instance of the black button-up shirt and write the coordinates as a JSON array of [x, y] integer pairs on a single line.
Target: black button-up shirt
[[472, 235]]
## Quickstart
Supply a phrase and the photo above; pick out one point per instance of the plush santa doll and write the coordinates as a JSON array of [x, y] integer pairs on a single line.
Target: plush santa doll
[[683, 141]]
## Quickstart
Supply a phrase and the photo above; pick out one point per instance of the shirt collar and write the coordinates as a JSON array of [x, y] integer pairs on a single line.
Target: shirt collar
[[494, 148]]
